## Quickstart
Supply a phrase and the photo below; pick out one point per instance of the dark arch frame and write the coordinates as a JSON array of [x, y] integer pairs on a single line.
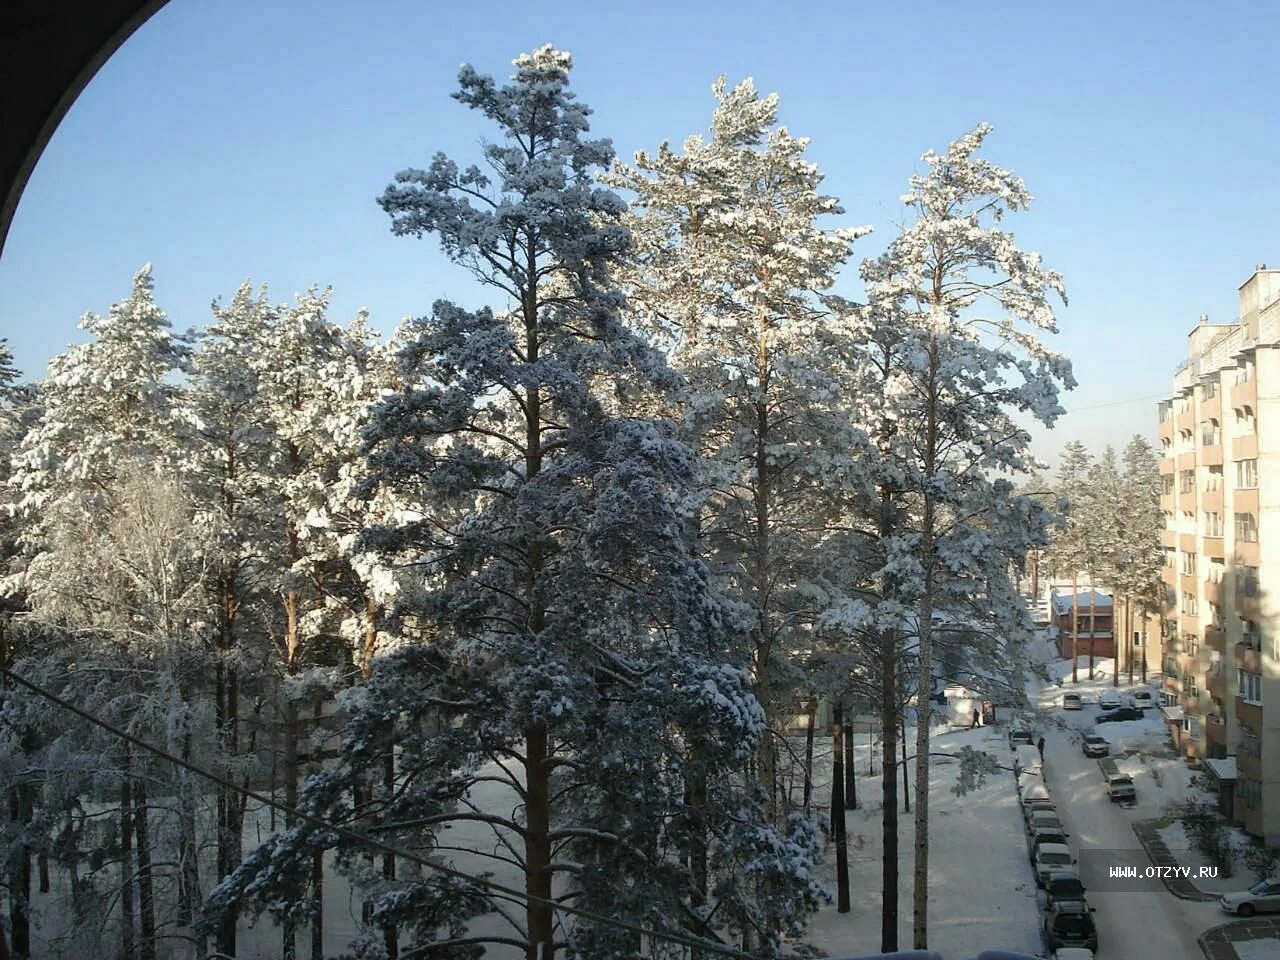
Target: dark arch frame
[[49, 51]]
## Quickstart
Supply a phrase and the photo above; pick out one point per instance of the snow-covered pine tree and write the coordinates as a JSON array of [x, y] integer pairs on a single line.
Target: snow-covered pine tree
[[968, 309], [729, 254], [566, 656], [1109, 524], [1140, 578], [1071, 544], [105, 565]]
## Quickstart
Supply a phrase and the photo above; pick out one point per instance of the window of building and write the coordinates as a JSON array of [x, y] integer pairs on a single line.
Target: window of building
[[1247, 581], [1189, 685], [1246, 474], [1170, 666], [1190, 604], [1209, 389], [1210, 433], [1217, 571], [1213, 524], [1190, 643], [1249, 686], [1170, 557], [1215, 616], [1166, 484], [1168, 519], [1246, 527], [1187, 481], [1244, 372], [1188, 564], [1164, 410], [1213, 478], [1249, 634], [1245, 420]]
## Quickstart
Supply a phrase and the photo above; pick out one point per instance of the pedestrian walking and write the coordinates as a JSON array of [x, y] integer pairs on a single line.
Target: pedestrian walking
[[1040, 747], [977, 717]]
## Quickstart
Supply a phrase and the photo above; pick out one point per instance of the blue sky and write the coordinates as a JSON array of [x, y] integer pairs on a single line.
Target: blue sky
[[237, 140]]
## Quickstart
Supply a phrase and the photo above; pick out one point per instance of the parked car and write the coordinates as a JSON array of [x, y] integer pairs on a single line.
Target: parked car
[[1021, 737], [1109, 701], [1262, 897], [1096, 746], [1073, 953], [1072, 701], [1120, 788], [1118, 714], [1038, 841], [1143, 700], [1070, 924], [1045, 821], [1062, 886], [1048, 858]]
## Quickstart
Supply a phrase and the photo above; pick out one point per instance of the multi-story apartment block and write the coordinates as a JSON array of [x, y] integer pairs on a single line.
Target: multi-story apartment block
[[1220, 433]]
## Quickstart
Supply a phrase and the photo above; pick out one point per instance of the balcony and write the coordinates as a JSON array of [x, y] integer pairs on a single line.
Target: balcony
[[1213, 593], [1214, 547], [1244, 447], [1171, 685], [1169, 538], [1186, 461], [1166, 502], [1215, 638], [1211, 407], [1186, 421], [1190, 704], [1189, 622], [1248, 658], [1169, 575], [1166, 465], [1211, 499], [1215, 684], [1215, 732], [1187, 543], [1245, 394], [1187, 662], [1211, 454], [1166, 429], [1247, 553]]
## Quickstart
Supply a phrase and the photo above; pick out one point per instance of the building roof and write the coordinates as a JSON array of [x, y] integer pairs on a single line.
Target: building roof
[[1221, 768], [1062, 600], [1172, 713]]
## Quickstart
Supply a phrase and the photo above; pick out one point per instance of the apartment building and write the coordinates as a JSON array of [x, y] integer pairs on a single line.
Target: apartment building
[[1220, 433]]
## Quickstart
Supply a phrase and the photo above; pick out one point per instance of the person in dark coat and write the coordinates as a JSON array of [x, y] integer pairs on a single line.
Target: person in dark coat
[[1040, 747], [977, 717]]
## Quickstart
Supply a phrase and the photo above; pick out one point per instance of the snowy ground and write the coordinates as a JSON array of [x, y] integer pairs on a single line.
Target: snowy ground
[[1175, 839], [981, 891], [1266, 949]]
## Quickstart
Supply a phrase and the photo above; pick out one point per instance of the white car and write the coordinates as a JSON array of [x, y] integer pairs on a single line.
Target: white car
[[1051, 858], [1262, 897], [1073, 953], [1143, 700], [1045, 821], [1072, 701], [1109, 701]]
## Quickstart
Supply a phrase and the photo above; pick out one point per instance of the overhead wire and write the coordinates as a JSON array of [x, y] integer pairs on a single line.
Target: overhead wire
[[492, 886]]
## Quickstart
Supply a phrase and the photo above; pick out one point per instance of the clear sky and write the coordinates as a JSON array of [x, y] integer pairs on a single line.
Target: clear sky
[[248, 139]]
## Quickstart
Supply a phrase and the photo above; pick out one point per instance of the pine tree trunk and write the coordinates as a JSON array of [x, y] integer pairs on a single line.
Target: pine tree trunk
[[1092, 617], [837, 810], [889, 793], [850, 778], [390, 934], [42, 869], [537, 843], [1128, 635], [1075, 627], [230, 812], [317, 877], [811, 715], [906, 782], [20, 879], [188, 848], [288, 928], [126, 863], [146, 886]]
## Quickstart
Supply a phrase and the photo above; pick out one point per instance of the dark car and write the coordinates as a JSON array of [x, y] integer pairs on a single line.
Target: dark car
[[1120, 713], [1070, 924], [1021, 737], [1061, 887], [1096, 746], [1035, 841]]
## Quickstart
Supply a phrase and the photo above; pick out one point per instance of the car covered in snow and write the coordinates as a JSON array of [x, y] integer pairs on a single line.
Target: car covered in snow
[[1073, 953], [1143, 700], [1021, 737], [1109, 701], [1048, 858], [1072, 701], [1070, 924], [1095, 746], [1119, 714], [1262, 897]]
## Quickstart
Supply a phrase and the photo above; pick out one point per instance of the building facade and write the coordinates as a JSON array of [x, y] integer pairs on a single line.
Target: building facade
[[1094, 637], [1220, 434]]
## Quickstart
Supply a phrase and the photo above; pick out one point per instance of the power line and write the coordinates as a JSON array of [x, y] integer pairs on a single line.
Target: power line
[[490, 885], [1118, 403]]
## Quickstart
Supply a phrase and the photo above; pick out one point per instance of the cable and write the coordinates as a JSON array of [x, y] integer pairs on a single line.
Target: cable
[[378, 845]]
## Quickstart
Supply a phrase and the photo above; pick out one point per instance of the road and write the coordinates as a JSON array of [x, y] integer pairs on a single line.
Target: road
[[1133, 924]]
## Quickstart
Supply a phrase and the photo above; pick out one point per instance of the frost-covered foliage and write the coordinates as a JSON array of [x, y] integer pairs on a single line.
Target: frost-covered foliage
[[730, 253], [560, 640]]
